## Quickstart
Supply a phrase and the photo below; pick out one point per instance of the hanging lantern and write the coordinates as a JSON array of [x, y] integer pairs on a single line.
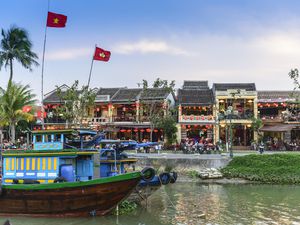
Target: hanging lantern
[[155, 131], [128, 131], [189, 126], [26, 108], [148, 130], [142, 130], [98, 109], [135, 130], [122, 130], [161, 130]]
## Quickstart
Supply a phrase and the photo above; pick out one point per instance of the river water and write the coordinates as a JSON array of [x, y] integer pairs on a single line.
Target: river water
[[186, 202]]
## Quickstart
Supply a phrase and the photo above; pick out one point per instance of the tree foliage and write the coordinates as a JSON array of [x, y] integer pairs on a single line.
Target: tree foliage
[[75, 103], [12, 102], [15, 45], [157, 111], [257, 123], [168, 124]]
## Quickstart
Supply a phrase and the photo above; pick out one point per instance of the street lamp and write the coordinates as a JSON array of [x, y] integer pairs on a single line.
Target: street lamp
[[228, 115]]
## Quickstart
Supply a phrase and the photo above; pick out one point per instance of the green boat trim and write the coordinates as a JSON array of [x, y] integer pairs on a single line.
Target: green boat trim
[[14, 153], [121, 177], [67, 131]]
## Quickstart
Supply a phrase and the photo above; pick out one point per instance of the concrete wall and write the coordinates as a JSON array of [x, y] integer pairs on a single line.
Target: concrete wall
[[182, 165]]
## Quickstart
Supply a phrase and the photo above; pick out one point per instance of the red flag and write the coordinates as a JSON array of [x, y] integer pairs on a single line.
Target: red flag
[[101, 54], [56, 20]]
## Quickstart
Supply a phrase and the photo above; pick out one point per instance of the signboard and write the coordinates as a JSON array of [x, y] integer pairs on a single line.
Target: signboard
[[102, 98]]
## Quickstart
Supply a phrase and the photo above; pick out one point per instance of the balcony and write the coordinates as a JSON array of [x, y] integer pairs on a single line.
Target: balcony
[[124, 119], [272, 118], [238, 115], [54, 120], [196, 119], [100, 120]]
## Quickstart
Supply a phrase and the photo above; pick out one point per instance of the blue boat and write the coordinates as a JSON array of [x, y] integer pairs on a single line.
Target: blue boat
[[114, 161], [56, 177]]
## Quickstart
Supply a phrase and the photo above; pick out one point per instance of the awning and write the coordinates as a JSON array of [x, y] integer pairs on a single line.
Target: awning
[[277, 128]]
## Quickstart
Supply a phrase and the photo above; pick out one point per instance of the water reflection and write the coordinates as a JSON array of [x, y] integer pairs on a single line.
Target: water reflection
[[184, 203]]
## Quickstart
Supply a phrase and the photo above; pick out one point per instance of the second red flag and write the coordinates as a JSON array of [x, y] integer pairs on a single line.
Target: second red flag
[[101, 54], [56, 20]]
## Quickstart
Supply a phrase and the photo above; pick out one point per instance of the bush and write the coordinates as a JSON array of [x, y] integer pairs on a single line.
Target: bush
[[275, 168]]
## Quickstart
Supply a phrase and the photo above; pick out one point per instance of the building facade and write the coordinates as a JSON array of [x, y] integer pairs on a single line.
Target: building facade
[[204, 112]]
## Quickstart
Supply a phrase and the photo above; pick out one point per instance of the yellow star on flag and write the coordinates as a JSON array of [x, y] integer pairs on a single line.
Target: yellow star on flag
[[56, 20], [102, 55]]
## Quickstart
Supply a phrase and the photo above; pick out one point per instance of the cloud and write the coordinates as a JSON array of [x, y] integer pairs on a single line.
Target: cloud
[[66, 54], [147, 46]]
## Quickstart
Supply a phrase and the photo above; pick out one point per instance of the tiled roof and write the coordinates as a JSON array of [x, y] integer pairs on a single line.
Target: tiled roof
[[154, 93], [226, 86], [195, 97], [107, 91], [52, 96], [127, 95], [277, 95], [195, 84]]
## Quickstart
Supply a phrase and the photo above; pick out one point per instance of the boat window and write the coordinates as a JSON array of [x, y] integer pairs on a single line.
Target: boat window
[[38, 138], [57, 138], [48, 138]]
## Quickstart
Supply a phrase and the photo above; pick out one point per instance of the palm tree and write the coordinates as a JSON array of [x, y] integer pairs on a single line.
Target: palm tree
[[12, 102], [15, 45]]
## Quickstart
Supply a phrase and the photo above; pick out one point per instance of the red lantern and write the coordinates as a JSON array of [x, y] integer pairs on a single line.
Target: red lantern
[[123, 130], [148, 130], [142, 130], [98, 109], [155, 131], [128, 131], [135, 130], [26, 108]]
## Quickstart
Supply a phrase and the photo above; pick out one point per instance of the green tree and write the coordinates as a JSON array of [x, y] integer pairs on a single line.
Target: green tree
[[15, 45], [76, 103], [168, 124], [12, 101], [154, 109], [294, 75], [257, 123]]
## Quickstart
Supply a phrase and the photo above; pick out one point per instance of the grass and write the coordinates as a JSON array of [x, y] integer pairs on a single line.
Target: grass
[[273, 168]]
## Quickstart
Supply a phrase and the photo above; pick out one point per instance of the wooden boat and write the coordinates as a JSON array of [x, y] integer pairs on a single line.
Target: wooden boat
[[49, 162], [81, 198], [113, 161]]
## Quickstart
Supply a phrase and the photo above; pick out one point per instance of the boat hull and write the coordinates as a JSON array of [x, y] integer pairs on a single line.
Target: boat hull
[[89, 198]]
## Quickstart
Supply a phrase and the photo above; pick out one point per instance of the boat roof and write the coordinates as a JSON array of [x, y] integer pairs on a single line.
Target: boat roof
[[67, 131]]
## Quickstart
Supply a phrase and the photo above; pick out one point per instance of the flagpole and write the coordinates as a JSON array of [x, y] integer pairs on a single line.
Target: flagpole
[[42, 76], [91, 69]]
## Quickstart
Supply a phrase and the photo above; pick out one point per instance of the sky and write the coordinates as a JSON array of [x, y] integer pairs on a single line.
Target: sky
[[215, 40]]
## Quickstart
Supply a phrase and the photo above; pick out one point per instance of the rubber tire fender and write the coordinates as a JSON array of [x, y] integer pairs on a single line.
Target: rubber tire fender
[[59, 180], [148, 173], [165, 178], [173, 177]]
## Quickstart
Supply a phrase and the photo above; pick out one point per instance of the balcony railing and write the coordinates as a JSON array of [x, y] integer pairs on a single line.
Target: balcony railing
[[124, 118], [100, 120], [238, 115], [193, 118], [54, 120]]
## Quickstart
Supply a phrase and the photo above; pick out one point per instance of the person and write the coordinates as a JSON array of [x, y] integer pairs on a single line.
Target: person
[[261, 147]]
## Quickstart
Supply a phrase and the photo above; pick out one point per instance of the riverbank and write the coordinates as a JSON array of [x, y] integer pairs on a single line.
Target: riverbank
[[275, 168]]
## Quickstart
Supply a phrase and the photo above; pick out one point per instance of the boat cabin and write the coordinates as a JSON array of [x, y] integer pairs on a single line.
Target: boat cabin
[[53, 157]]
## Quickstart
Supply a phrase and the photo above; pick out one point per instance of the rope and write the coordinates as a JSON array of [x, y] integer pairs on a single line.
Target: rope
[[168, 197]]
